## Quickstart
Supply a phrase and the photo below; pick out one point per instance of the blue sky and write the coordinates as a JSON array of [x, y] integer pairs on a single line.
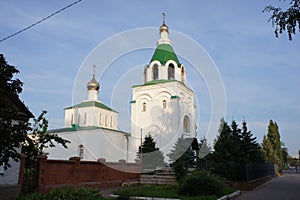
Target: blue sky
[[260, 72]]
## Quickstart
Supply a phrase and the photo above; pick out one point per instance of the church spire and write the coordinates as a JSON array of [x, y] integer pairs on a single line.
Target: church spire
[[164, 32], [93, 87]]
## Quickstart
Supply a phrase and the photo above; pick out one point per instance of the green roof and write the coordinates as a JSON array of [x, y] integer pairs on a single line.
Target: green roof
[[79, 128], [164, 53], [91, 103], [157, 82]]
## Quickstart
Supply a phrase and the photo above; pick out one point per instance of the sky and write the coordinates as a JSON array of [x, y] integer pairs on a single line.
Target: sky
[[257, 71]]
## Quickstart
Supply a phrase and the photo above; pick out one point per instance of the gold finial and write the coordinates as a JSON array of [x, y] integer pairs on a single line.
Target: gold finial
[[164, 27], [94, 70], [164, 17]]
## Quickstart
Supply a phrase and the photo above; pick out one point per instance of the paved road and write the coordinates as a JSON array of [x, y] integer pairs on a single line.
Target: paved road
[[285, 187]]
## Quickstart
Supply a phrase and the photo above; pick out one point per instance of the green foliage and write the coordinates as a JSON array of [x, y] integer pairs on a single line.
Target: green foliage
[[182, 157], [160, 191], [150, 155], [65, 194], [235, 145], [271, 145], [7, 83], [201, 183], [285, 20], [13, 133], [40, 139]]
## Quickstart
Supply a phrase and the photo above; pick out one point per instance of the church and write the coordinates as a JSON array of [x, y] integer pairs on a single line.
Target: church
[[162, 106]]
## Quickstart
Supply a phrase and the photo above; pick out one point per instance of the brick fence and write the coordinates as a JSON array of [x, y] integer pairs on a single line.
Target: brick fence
[[76, 173]]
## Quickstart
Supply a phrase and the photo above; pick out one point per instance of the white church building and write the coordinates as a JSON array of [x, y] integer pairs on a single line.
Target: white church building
[[162, 106]]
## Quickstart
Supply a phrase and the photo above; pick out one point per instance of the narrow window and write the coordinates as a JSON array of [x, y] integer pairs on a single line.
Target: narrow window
[[111, 121], [106, 120], [78, 118], [100, 119], [186, 124], [72, 119], [144, 107], [164, 103], [155, 72], [84, 119], [80, 151], [171, 72], [182, 74]]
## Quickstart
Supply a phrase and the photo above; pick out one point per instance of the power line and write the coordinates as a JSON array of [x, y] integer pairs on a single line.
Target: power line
[[40, 21]]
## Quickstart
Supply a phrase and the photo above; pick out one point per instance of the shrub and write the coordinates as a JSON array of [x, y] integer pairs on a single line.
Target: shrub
[[65, 194], [201, 183]]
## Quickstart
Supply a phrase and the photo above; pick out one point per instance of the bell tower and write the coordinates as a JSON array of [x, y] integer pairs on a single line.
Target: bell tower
[[163, 105]]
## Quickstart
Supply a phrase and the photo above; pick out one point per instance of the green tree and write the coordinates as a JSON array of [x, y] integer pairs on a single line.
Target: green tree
[[39, 139], [182, 157], [13, 129], [250, 146], [150, 155], [285, 20], [267, 150], [223, 144]]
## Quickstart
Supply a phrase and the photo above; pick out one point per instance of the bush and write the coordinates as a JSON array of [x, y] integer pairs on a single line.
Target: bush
[[66, 194], [201, 183]]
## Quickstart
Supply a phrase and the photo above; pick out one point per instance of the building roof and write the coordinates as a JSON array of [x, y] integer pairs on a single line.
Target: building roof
[[91, 104], [14, 101], [79, 128], [164, 53]]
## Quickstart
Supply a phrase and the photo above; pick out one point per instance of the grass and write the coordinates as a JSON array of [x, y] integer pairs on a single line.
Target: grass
[[163, 191]]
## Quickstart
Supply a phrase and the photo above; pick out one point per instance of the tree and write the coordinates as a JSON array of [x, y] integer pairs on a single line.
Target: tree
[[150, 155], [285, 20], [182, 157], [13, 131], [250, 146], [223, 143], [13, 127], [236, 145], [39, 139], [272, 146]]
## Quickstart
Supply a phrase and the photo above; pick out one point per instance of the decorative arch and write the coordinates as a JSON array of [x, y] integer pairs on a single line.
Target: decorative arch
[[171, 71], [186, 124], [155, 71]]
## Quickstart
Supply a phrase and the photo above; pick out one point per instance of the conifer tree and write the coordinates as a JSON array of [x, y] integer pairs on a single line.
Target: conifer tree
[[150, 155]]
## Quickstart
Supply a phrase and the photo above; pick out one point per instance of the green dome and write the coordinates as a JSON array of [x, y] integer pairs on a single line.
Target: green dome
[[164, 53]]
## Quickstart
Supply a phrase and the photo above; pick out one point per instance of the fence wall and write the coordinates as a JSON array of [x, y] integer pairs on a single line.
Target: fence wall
[[76, 173]]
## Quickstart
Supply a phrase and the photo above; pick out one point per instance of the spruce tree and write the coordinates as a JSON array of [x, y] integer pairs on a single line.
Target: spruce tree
[[223, 143], [150, 155], [250, 147]]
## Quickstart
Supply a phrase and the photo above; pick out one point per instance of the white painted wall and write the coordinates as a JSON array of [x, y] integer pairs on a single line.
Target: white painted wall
[[165, 125]]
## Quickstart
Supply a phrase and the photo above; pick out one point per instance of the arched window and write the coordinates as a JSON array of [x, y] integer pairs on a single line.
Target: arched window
[[155, 72], [78, 118], [72, 119], [100, 119], [171, 72], [182, 74], [186, 124], [80, 151], [164, 104], [84, 119], [106, 120], [144, 107], [145, 75]]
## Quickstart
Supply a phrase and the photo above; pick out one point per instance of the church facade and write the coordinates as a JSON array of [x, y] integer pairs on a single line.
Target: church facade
[[163, 106]]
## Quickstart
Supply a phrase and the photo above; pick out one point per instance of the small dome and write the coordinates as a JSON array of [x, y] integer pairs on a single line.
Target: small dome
[[93, 84], [163, 28]]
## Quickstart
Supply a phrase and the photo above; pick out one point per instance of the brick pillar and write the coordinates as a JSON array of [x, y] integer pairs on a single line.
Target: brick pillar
[[76, 161], [22, 169], [42, 163]]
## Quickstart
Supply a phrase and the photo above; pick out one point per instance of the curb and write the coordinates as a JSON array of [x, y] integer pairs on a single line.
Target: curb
[[229, 196]]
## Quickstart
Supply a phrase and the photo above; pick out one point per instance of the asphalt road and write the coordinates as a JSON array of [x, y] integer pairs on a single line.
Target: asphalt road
[[286, 187]]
